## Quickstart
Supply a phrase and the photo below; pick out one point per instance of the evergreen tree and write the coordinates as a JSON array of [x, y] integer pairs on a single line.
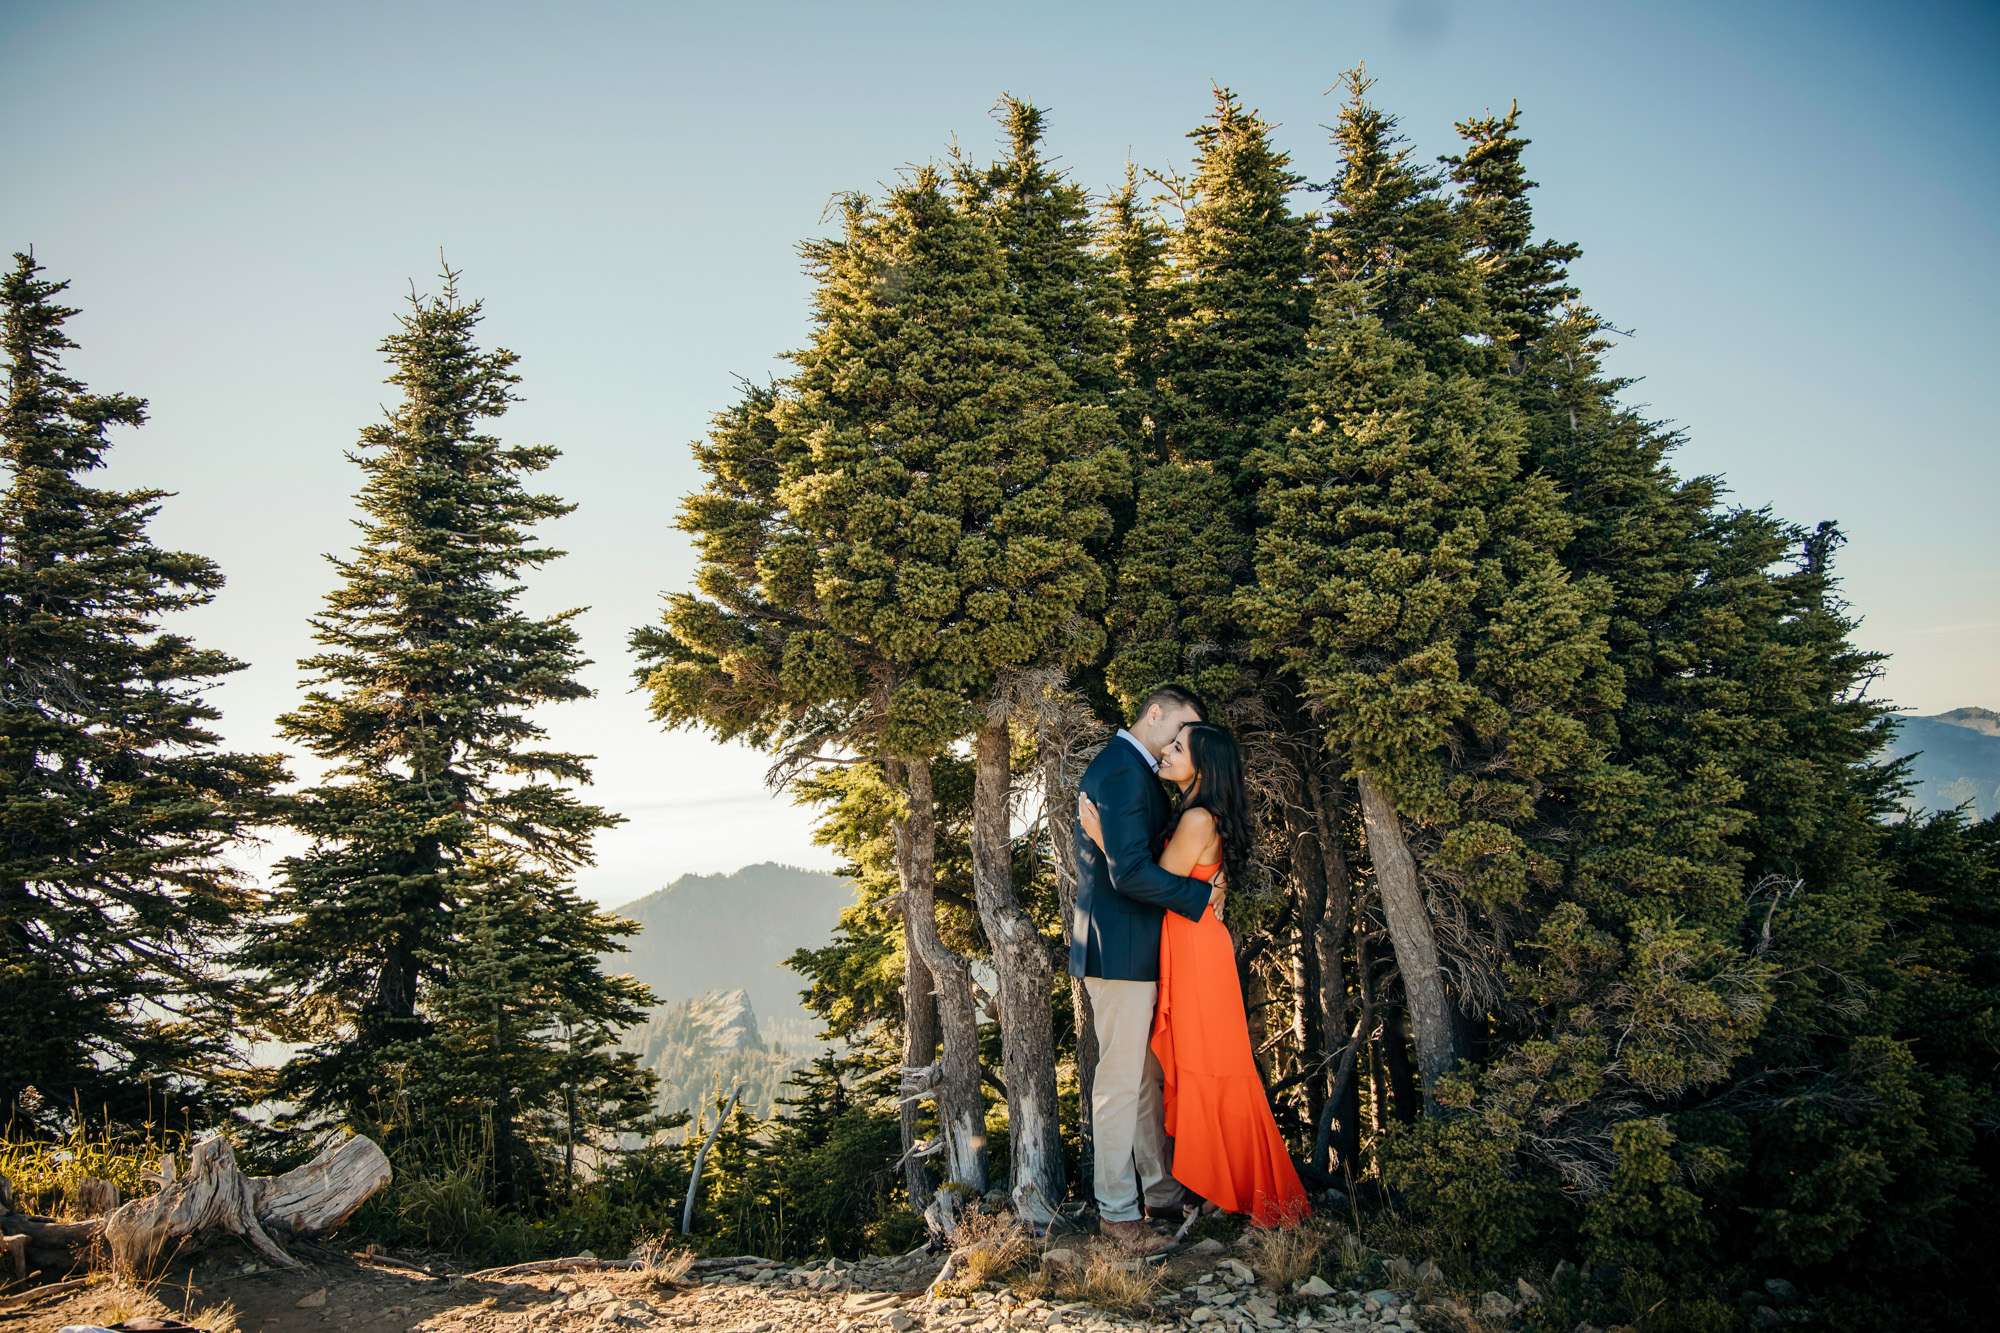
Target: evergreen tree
[[1240, 310], [523, 1033], [1061, 292], [1391, 229], [1522, 282], [1044, 225], [1408, 577], [435, 885], [907, 531], [120, 806]]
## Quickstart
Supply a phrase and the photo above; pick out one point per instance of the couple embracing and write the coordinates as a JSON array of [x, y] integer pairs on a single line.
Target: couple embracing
[[1179, 1118]]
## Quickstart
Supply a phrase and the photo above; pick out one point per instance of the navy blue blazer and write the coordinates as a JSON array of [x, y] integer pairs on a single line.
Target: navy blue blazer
[[1122, 895]]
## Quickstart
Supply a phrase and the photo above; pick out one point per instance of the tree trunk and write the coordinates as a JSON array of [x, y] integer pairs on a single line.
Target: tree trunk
[[1256, 1003], [920, 1048], [1021, 960], [955, 1077], [1396, 1059], [1309, 1031], [1331, 938], [1060, 740], [1410, 931]]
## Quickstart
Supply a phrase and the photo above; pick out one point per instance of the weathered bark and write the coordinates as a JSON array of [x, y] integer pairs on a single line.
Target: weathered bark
[[1410, 932], [1309, 1031], [308, 1201], [694, 1175], [316, 1198], [214, 1193], [954, 1078], [1021, 962], [1066, 738], [920, 1048]]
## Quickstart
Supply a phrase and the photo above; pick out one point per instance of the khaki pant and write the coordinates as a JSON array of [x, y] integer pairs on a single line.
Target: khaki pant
[[1127, 1117]]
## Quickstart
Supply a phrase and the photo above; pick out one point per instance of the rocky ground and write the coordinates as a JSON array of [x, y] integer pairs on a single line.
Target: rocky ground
[[1202, 1285]]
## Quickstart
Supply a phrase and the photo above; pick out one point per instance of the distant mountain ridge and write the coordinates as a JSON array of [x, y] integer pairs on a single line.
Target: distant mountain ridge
[[731, 932], [1957, 760]]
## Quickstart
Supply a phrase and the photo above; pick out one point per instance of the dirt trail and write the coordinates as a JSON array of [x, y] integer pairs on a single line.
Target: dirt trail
[[342, 1293]]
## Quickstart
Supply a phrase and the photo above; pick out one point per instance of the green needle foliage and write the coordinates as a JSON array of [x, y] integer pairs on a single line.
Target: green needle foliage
[[426, 949], [119, 805], [1210, 381], [896, 531]]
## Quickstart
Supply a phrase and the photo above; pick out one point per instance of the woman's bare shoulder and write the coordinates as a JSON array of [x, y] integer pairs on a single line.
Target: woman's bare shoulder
[[1198, 820]]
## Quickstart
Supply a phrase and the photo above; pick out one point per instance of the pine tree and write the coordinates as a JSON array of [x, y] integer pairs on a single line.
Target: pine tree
[[443, 838], [1391, 229], [120, 806], [1523, 282], [523, 1033], [1044, 224]]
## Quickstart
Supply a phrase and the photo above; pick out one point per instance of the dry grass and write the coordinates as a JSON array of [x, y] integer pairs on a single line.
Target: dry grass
[[214, 1319], [664, 1263], [1287, 1254], [47, 1174], [989, 1245], [1112, 1280]]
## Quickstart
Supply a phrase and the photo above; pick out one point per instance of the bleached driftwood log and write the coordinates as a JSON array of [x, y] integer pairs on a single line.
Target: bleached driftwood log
[[214, 1195], [323, 1193]]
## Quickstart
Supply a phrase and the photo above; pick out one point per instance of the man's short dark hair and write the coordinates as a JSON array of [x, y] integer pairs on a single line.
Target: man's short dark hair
[[1173, 696]]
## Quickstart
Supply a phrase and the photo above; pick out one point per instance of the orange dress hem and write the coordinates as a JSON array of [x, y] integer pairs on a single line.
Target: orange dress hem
[[1227, 1147]]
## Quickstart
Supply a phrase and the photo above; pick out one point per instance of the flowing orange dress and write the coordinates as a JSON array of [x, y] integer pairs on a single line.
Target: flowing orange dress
[[1227, 1147]]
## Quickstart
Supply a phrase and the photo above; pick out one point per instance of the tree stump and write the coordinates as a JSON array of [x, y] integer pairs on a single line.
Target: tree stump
[[94, 1198], [214, 1193]]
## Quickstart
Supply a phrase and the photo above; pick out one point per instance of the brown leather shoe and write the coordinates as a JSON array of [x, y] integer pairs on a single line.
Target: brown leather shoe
[[1134, 1237]]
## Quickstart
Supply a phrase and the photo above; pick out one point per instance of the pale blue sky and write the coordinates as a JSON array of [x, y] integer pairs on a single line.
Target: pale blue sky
[[1791, 205]]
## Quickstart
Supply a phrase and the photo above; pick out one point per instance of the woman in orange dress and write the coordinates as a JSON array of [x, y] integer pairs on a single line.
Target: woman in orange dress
[[1227, 1148]]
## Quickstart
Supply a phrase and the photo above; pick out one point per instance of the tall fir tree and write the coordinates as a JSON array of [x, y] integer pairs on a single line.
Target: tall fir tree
[[120, 806], [1409, 577], [1211, 382], [1063, 292], [908, 531], [386, 939]]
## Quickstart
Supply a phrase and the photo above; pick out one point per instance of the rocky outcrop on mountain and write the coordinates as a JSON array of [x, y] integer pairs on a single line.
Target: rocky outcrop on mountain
[[701, 1048]]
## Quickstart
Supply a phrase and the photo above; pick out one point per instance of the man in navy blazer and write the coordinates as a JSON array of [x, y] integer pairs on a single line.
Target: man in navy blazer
[[1122, 896]]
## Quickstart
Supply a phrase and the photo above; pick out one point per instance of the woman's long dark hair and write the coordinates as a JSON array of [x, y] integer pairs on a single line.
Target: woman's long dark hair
[[1218, 789]]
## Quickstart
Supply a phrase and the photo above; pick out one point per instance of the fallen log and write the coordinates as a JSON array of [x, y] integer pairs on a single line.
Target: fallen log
[[51, 1234], [40, 1294], [557, 1266], [214, 1195], [317, 1197]]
